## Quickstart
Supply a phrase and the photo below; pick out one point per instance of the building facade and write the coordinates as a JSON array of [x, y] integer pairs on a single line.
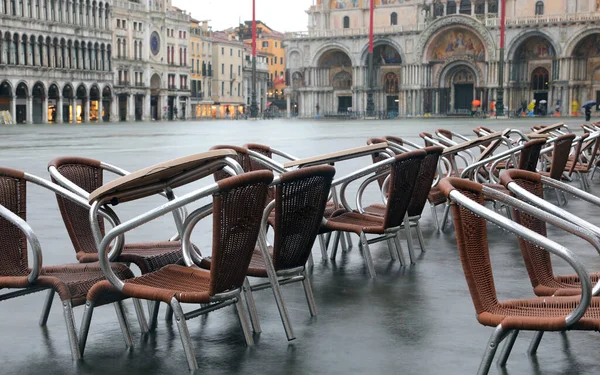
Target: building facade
[[151, 60], [201, 69], [227, 76], [56, 61], [437, 56], [262, 79]]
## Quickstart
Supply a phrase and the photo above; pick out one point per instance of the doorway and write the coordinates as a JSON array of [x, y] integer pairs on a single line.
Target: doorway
[[344, 103], [463, 97], [392, 104], [541, 103], [123, 107]]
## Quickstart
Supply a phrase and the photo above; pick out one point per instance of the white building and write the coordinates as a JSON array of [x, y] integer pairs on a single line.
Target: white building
[[55, 61], [262, 80], [151, 60]]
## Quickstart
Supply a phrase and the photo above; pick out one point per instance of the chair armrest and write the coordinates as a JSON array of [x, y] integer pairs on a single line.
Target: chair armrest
[[544, 243], [364, 185], [32, 239]]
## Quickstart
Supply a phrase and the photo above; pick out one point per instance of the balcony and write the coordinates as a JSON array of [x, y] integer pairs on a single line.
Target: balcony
[[184, 88], [140, 84], [545, 19], [123, 83], [197, 95], [172, 87]]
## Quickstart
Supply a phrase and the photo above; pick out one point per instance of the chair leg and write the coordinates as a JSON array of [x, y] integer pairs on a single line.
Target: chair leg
[[349, 240], [88, 311], [184, 333], [336, 241], [327, 240], [490, 350], [535, 343], [154, 307], [310, 299], [249, 296], [310, 262], [367, 254], [392, 248], [141, 317], [399, 249], [505, 352], [123, 323], [283, 313], [420, 237], [169, 314], [47, 307], [435, 216], [445, 217], [70, 322], [241, 310], [343, 242], [323, 245], [411, 250]]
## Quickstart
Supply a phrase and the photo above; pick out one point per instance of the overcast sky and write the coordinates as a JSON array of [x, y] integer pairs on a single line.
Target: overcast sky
[[281, 15]]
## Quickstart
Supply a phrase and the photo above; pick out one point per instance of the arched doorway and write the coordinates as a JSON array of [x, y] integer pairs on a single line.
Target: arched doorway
[[68, 103], [586, 69], [6, 98], [53, 96], [38, 94], [387, 67], [82, 100], [335, 71], [155, 86], [391, 86], [106, 101], [22, 93], [94, 103], [460, 83], [534, 58]]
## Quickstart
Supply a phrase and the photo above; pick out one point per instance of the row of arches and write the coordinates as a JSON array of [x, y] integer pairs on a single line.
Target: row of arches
[[91, 14], [37, 50], [43, 103]]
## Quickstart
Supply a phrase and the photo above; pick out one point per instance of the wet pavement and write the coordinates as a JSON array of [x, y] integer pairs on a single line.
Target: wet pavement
[[409, 320]]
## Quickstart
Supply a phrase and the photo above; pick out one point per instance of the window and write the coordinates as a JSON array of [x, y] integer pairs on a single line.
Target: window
[[222, 51], [276, 45], [231, 71], [239, 53], [231, 52], [222, 68], [539, 8], [222, 88], [346, 22], [275, 59], [265, 44], [239, 70], [394, 18], [124, 24], [465, 7], [451, 7], [391, 83], [118, 24], [540, 79], [238, 90], [180, 34]]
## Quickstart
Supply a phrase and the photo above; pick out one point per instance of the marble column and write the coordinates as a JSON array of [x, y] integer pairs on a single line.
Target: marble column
[[457, 7], [114, 108], [289, 106], [131, 108], [44, 110], [74, 111], [28, 110], [146, 115], [59, 110], [100, 106], [86, 110]]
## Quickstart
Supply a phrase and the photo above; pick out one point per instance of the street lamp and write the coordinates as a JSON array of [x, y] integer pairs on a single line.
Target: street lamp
[[253, 105], [500, 101]]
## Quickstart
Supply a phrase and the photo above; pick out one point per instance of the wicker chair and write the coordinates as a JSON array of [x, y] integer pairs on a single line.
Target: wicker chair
[[510, 317], [87, 174], [584, 159], [236, 224], [70, 281], [300, 198], [404, 170], [421, 193], [560, 156]]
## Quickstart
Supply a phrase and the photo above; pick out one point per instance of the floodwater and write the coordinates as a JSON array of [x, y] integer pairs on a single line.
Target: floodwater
[[410, 320]]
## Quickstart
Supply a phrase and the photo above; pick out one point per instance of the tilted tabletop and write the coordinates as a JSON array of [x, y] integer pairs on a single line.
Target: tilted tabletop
[[472, 143], [155, 179], [337, 156], [549, 128]]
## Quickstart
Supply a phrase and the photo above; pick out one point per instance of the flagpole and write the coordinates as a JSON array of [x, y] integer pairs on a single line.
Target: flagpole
[[500, 101], [253, 106], [370, 103]]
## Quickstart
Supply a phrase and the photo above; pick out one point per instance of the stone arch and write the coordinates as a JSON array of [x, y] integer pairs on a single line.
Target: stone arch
[[342, 80], [68, 92], [381, 43], [21, 90], [81, 92], [455, 43], [334, 58], [517, 42], [574, 41], [6, 89], [155, 82], [297, 80], [435, 27], [294, 59], [53, 91], [441, 78], [331, 47]]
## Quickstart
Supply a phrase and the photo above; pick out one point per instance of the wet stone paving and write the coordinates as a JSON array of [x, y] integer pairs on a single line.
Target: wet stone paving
[[409, 320]]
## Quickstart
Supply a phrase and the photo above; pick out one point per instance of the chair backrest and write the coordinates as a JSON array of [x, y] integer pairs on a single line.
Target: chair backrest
[[530, 154], [537, 261], [13, 196], [593, 146], [237, 213], [261, 149], [88, 175], [300, 202], [446, 133], [403, 177], [426, 135], [396, 140], [472, 241], [242, 158], [478, 131], [377, 157], [577, 152], [424, 181], [560, 155]]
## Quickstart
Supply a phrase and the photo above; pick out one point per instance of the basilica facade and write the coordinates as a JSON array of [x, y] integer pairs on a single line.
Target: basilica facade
[[437, 56]]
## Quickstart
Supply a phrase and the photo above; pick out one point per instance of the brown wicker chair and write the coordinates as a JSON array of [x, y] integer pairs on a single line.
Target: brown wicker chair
[[585, 158], [427, 172], [236, 225], [87, 174], [560, 156], [403, 176], [300, 198], [70, 281], [510, 317]]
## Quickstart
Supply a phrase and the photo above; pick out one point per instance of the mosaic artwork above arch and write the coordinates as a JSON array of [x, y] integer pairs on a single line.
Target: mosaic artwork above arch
[[589, 46], [334, 58], [535, 48], [386, 55], [456, 42], [345, 4]]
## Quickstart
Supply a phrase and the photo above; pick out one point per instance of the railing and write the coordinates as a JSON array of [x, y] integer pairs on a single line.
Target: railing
[[172, 87], [197, 95], [128, 5], [140, 84], [330, 33], [184, 88], [123, 83], [178, 15]]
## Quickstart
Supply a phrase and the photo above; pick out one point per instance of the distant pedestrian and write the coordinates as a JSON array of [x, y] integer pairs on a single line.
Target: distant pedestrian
[[175, 112]]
